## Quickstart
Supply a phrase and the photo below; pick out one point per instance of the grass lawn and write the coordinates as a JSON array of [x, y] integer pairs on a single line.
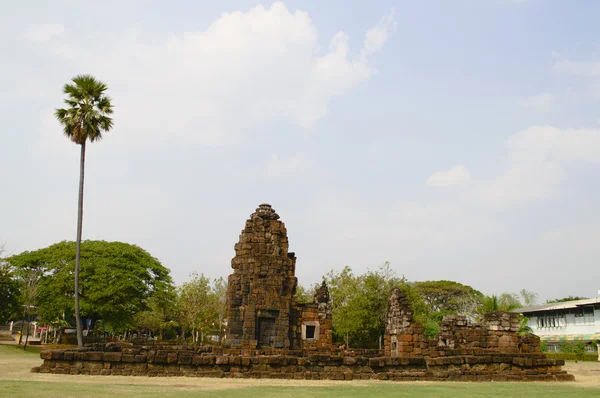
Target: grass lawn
[[16, 381]]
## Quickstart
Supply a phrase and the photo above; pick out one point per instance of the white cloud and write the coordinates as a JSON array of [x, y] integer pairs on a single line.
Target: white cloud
[[538, 160], [43, 33], [554, 144], [378, 35], [280, 167], [215, 86], [579, 68], [541, 101], [455, 176], [519, 184]]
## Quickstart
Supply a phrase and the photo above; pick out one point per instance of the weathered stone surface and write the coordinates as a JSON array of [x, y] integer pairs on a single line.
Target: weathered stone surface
[[272, 336], [261, 309]]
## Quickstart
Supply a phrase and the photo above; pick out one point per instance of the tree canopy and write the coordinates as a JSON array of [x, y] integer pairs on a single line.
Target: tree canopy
[[88, 108], [117, 280], [202, 306], [359, 304], [448, 297], [304, 295], [562, 300], [9, 292]]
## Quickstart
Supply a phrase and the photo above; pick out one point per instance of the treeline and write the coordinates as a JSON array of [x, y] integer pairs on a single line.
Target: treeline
[[360, 303], [124, 289]]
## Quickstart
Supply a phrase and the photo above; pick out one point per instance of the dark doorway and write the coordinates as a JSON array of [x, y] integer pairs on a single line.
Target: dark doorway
[[310, 332], [266, 332]]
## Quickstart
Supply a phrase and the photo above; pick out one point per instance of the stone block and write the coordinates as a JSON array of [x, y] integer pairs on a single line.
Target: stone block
[[112, 356], [128, 358], [222, 360]]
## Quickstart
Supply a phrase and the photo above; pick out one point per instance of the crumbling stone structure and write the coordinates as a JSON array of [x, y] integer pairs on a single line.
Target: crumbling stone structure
[[312, 328], [270, 335], [463, 350], [496, 333], [261, 308]]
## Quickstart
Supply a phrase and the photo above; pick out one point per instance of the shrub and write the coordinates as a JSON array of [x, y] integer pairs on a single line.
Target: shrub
[[571, 356]]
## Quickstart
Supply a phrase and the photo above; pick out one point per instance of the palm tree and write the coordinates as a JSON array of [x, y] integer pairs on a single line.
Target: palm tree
[[490, 304], [85, 118], [524, 328]]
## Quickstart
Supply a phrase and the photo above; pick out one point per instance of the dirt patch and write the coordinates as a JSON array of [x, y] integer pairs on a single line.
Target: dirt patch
[[587, 374]]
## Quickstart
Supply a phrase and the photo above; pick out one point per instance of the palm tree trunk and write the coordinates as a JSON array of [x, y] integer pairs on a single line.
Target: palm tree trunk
[[78, 244]]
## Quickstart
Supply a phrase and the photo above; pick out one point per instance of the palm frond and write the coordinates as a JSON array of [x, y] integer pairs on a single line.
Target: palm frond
[[86, 115]]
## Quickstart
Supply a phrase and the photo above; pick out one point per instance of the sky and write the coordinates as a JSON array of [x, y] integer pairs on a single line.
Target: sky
[[456, 140]]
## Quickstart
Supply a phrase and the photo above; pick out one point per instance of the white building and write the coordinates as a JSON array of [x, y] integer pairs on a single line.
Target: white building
[[577, 320]]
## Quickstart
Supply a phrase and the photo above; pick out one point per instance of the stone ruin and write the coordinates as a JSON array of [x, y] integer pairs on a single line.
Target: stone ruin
[[270, 335], [261, 309]]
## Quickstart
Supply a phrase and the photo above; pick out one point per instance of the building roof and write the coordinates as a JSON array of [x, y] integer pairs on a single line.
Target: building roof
[[558, 306]]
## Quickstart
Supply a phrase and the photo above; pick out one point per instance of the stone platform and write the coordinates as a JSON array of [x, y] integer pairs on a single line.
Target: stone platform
[[191, 362]]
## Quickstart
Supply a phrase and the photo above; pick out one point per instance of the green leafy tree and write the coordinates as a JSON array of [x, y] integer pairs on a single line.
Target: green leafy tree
[[85, 118], [579, 349], [219, 299], [359, 304], [196, 307], [528, 298], [304, 295], [29, 282], [524, 328], [505, 302], [566, 346], [159, 315], [489, 305], [422, 311], [448, 297], [9, 290], [509, 302], [562, 300], [117, 281]]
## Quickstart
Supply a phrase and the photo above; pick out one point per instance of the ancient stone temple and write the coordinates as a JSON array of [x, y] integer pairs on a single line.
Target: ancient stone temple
[[271, 335], [261, 308]]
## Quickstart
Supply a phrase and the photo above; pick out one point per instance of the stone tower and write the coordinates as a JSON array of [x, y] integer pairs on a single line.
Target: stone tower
[[260, 291]]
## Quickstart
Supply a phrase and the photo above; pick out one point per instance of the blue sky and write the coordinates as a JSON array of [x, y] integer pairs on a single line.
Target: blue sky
[[457, 140]]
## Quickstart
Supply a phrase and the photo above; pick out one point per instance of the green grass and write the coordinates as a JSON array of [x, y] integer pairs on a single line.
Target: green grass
[[16, 381], [374, 389], [17, 351]]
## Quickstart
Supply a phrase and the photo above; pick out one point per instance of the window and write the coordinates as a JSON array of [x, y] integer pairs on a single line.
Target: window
[[552, 347], [310, 331], [584, 316], [551, 320]]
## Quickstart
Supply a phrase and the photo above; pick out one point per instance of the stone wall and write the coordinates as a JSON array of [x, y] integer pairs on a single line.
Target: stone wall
[[186, 361]]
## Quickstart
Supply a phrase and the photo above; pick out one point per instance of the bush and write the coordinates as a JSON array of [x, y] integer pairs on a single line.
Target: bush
[[571, 356]]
